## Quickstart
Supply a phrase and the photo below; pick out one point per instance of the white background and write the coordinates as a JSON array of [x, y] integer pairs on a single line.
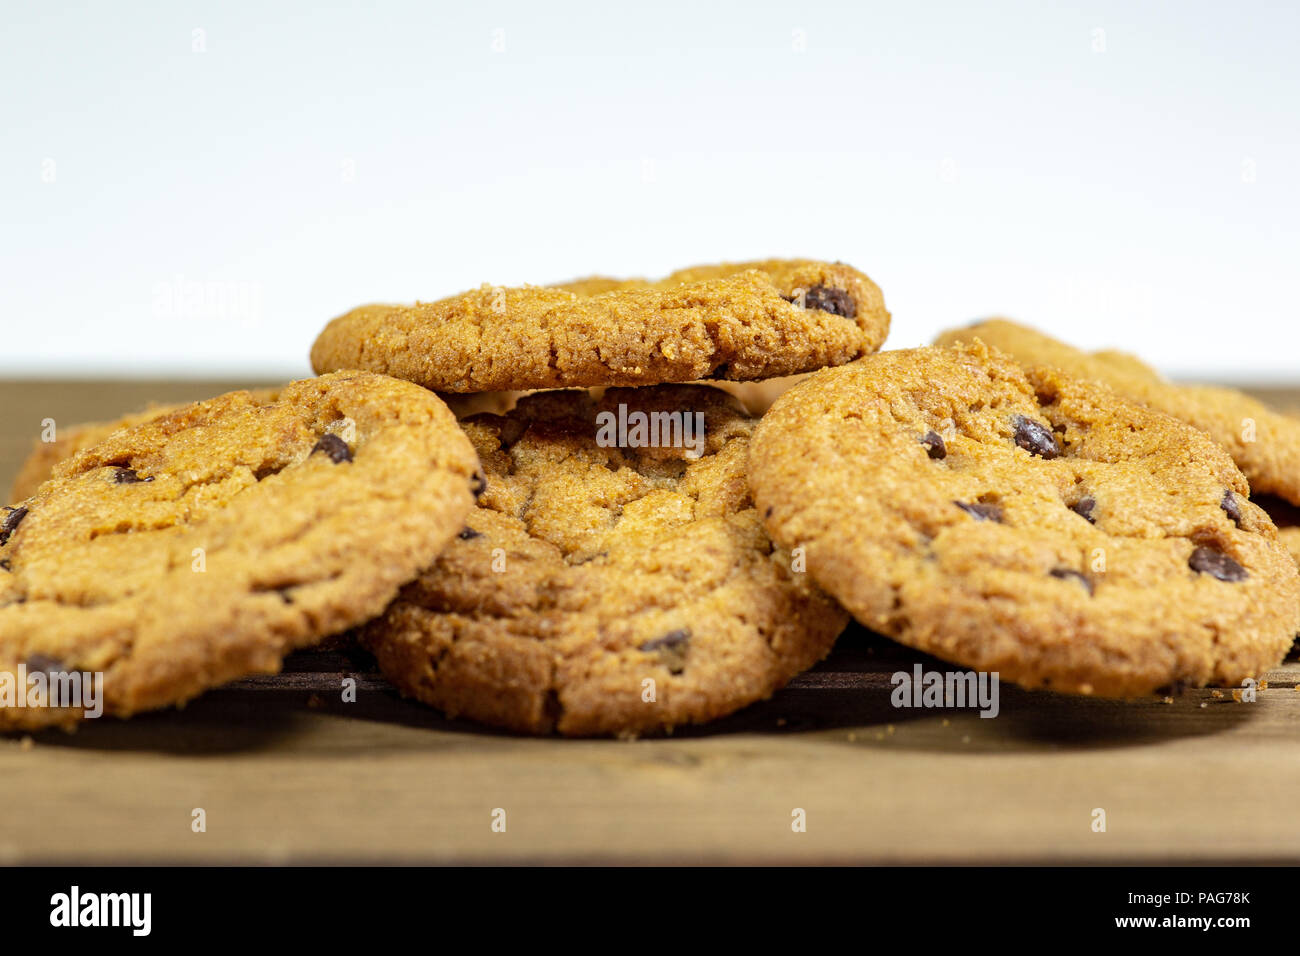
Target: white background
[[1116, 173]]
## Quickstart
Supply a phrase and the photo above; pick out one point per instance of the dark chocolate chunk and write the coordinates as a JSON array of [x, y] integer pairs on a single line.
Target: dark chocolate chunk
[[981, 511], [4, 563], [1068, 574], [334, 446], [467, 533], [1216, 564], [128, 476], [1084, 508], [934, 445], [829, 299], [673, 639], [12, 520], [671, 648], [478, 484], [1232, 507], [1036, 438]]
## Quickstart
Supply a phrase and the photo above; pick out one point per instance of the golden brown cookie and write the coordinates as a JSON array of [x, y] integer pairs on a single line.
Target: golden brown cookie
[[205, 544], [606, 589], [1027, 523], [1264, 443], [739, 321]]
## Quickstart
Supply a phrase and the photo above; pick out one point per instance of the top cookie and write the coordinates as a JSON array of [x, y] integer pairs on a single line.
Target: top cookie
[[1027, 523], [205, 544], [1264, 444], [607, 583], [740, 321]]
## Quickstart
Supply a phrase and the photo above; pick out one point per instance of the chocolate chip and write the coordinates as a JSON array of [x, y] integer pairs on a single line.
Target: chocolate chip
[[829, 299], [12, 520], [672, 648], [672, 639], [934, 445], [981, 511], [467, 533], [478, 484], [1232, 507], [1216, 564], [4, 563], [334, 446], [768, 513], [1068, 574], [1084, 508], [128, 476], [1035, 438], [45, 664]]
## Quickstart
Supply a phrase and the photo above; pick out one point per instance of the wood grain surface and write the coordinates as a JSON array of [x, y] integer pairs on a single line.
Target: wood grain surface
[[286, 772]]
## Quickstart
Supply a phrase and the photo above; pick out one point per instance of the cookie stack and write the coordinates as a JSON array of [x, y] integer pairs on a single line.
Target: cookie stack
[[613, 548]]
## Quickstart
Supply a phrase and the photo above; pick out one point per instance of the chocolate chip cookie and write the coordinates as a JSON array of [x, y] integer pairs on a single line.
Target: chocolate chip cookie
[[1264, 443], [1025, 522], [740, 321], [207, 542], [607, 583]]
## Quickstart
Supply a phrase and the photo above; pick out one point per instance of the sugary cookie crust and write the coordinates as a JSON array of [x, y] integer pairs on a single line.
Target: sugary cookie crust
[[1264, 443], [733, 321], [587, 571], [208, 542], [967, 508], [69, 440]]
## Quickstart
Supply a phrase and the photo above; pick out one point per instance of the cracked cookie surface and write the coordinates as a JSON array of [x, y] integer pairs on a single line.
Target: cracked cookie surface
[[205, 543], [40, 463], [738, 321], [1264, 443], [1025, 522], [587, 570]]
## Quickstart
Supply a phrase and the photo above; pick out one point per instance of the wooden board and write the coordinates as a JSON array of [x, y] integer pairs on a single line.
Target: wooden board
[[286, 772]]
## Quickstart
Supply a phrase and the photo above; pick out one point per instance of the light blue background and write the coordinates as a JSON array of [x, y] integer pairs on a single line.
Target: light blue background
[[1133, 187]]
